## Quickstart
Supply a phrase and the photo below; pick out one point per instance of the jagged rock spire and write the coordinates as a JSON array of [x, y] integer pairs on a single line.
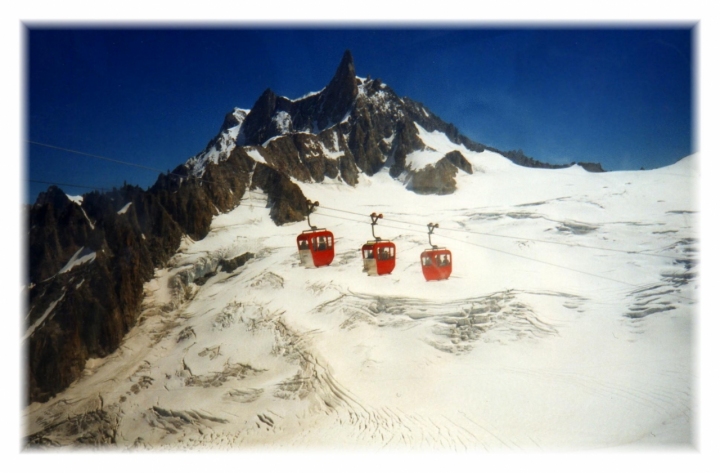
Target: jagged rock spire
[[340, 93], [324, 109]]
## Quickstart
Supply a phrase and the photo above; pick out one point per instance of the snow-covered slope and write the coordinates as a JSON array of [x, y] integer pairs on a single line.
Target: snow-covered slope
[[567, 324], [437, 145]]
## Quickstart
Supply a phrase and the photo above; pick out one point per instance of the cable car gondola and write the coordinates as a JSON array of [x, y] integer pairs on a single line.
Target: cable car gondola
[[316, 246], [378, 255], [436, 262]]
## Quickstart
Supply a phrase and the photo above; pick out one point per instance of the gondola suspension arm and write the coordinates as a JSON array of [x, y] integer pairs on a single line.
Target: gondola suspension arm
[[311, 207], [375, 218], [431, 226]]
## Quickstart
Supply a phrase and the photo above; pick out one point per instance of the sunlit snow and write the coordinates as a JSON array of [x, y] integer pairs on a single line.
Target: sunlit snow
[[309, 94], [42, 318], [81, 256], [567, 323], [78, 199], [335, 152], [255, 154], [437, 145], [283, 122], [124, 209]]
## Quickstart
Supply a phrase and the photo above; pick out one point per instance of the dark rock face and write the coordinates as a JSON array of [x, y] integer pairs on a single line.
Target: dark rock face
[[85, 311], [286, 200], [266, 117], [57, 229], [273, 116], [457, 159], [339, 95], [88, 308]]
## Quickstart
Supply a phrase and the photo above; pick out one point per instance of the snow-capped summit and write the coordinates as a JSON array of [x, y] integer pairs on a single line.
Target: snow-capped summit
[[273, 115], [351, 126]]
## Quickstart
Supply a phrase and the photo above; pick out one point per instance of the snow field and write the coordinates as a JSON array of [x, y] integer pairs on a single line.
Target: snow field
[[539, 341]]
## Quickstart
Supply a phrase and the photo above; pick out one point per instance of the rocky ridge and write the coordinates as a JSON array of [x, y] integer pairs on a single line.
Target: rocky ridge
[[81, 311]]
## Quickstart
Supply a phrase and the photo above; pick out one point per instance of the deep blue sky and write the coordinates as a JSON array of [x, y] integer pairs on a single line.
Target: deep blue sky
[[621, 97]]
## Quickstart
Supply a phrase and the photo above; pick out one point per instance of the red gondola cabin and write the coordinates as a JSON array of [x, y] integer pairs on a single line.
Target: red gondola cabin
[[316, 247], [436, 264], [378, 257]]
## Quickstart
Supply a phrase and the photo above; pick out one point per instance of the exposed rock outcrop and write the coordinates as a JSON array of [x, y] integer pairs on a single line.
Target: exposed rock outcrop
[[286, 200], [57, 229], [232, 264], [459, 161], [439, 178], [337, 98], [592, 167]]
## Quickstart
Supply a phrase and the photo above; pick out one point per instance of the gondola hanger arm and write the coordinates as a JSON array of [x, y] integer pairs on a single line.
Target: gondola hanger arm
[[311, 207], [431, 226], [374, 217]]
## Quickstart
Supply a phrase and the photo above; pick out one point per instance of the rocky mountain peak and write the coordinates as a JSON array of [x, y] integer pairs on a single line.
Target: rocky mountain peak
[[344, 77], [339, 95], [274, 115]]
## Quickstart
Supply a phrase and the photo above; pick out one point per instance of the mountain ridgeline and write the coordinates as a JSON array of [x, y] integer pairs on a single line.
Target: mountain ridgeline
[[88, 259]]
